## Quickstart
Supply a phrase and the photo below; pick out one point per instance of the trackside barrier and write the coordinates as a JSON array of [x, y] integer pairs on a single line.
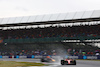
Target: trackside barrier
[[5, 56], [91, 57], [80, 57], [39, 56], [22, 56], [17, 56], [10, 56], [56, 57], [98, 57], [0, 56], [73, 57], [88, 57], [33, 56], [29, 56], [84, 57]]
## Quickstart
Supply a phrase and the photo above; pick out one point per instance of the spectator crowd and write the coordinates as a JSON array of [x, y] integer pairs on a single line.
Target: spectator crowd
[[74, 31], [52, 52]]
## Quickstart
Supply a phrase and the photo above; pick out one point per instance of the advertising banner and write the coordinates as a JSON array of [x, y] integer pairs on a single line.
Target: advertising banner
[[91, 57], [37, 57], [22, 56], [5, 56]]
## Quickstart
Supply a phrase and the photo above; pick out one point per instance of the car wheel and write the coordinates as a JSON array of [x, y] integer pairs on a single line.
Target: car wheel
[[62, 62], [74, 62], [42, 60]]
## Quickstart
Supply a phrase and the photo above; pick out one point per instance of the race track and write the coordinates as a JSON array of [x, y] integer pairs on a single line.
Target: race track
[[80, 63]]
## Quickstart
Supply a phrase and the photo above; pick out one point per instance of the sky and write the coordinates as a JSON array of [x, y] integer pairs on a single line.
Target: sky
[[13, 8]]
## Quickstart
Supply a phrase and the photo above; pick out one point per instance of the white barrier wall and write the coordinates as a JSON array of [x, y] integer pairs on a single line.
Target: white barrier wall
[[73, 57], [56, 57], [37, 57], [91, 57], [22, 56], [5, 56]]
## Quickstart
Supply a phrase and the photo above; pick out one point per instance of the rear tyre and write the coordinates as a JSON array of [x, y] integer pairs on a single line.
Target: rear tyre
[[62, 62], [42, 60], [74, 62]]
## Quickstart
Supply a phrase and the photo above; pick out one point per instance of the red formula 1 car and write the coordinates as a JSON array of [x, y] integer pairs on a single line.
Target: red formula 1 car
[[68, 62]]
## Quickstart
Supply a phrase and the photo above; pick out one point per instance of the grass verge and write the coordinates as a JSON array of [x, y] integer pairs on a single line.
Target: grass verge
[[15, 64]]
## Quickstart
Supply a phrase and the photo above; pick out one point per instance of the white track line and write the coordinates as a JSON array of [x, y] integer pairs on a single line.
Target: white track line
[[40, 66]]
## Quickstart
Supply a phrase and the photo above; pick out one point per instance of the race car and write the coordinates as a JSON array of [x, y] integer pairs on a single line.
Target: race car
[[68, 62], [47, 59]]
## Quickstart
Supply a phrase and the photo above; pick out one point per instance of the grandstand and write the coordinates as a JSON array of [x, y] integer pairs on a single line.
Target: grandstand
[[25, 34]]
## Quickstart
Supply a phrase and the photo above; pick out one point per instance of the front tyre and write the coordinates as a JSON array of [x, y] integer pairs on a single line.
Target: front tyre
[[62, 62]]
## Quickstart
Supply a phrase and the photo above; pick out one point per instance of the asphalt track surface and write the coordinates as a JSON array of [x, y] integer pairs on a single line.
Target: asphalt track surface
[[80, 63]]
